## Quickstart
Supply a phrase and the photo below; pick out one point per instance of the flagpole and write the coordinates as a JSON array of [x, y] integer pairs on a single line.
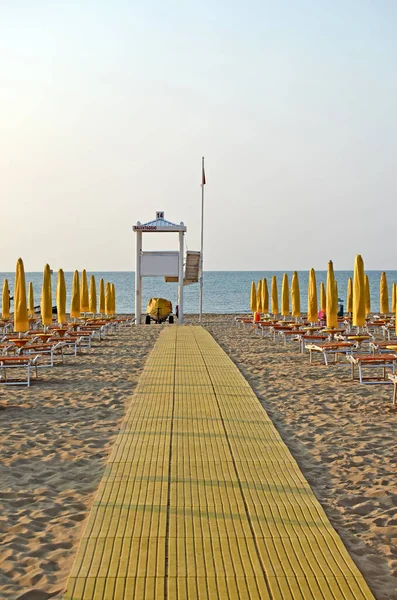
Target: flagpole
[[202, 239]]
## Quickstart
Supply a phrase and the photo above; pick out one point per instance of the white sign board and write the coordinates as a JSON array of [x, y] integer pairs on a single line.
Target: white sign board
[[157, 264]]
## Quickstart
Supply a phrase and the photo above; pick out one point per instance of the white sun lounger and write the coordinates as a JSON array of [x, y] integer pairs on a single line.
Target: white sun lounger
[[21, 363]]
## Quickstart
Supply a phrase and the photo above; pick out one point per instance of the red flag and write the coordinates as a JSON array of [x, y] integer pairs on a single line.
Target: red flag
[[203, 181]]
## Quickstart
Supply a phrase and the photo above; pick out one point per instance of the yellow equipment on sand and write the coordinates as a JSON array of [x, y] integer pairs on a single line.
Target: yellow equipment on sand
[[159, 310]]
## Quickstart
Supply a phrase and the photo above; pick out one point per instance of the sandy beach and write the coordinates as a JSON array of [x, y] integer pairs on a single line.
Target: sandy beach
[[342, 435], [55, 438]]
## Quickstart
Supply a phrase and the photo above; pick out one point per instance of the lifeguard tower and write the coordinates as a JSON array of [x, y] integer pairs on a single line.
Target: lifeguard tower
[[169, 264]]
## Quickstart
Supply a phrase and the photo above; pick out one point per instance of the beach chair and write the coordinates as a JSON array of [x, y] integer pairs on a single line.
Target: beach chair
[[17, 364], [393, 379], [84, 337], [243, 321], [377, 347], [313, 338], [290, 334], [388, 330], [264, 327], [372, 361], [330, 349], [45, 350]]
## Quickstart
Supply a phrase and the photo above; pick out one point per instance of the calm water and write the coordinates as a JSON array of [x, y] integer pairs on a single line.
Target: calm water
[[224, 291]]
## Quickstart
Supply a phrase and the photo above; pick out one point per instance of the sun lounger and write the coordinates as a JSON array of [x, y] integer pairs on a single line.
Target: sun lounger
[[84, 337], [330, 348], [372, 361], [360, 340], [18, 363], [264, 327], [313, 338], [393, 379], [377, 347], [243, 321], [278, 329], [388, 330], [290, 334], [47, 349]]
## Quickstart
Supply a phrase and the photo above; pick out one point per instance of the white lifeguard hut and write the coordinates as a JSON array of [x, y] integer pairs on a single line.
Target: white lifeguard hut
[[169, 264]]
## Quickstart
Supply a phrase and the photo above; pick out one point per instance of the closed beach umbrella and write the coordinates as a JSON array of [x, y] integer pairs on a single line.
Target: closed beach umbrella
[[61, 297], [367, 295], [102, 296], [349, 302], [5, 306], [113, 299], [393, 298], [252, 297], [295, 296], [275, 309], [108, 299], [323, 298], [265, 297], [384, 295], [21, 320], [30, 301], [312, 307], [331, 302], [84, 301], [358, 293], [92, 307], [285, 296], [75, 301], [46, 297], [259, 296]]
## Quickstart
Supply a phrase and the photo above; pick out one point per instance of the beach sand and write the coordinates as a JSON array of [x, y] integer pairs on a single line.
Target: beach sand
[[55, 438], [343, 436]]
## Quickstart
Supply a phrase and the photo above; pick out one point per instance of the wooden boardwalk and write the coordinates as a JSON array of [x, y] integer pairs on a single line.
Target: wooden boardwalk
[[201, 499]]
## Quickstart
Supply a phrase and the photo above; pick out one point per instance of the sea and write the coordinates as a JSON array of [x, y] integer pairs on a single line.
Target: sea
[[223, 291]]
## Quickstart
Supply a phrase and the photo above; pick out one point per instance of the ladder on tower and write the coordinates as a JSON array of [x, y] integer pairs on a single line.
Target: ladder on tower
[[192, 269]]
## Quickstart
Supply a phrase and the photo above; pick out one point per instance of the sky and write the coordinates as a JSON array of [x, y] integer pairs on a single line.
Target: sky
[[106, 109]]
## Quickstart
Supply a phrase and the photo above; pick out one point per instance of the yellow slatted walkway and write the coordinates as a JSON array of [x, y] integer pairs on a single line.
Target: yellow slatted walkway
[[201, 498]]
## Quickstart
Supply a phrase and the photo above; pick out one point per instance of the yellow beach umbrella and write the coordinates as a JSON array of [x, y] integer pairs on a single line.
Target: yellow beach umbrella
[[113, 299], [21, 320], [323, 298], [265, 297], [349, 303], [92, 303], [108, 299], [331, 303], [75, 301], [84, 301], [285, 296], [61, 297], [46, 297], [102, 296], [253, 297], [5, 306], [393, 298], [384, 295], [312, 306], [30, 301], [358, 293], [275, 309], [259, 296], [367, 295], [295, 296]]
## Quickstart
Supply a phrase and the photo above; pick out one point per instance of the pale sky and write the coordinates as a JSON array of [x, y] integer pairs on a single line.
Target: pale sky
[[107, 107]]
